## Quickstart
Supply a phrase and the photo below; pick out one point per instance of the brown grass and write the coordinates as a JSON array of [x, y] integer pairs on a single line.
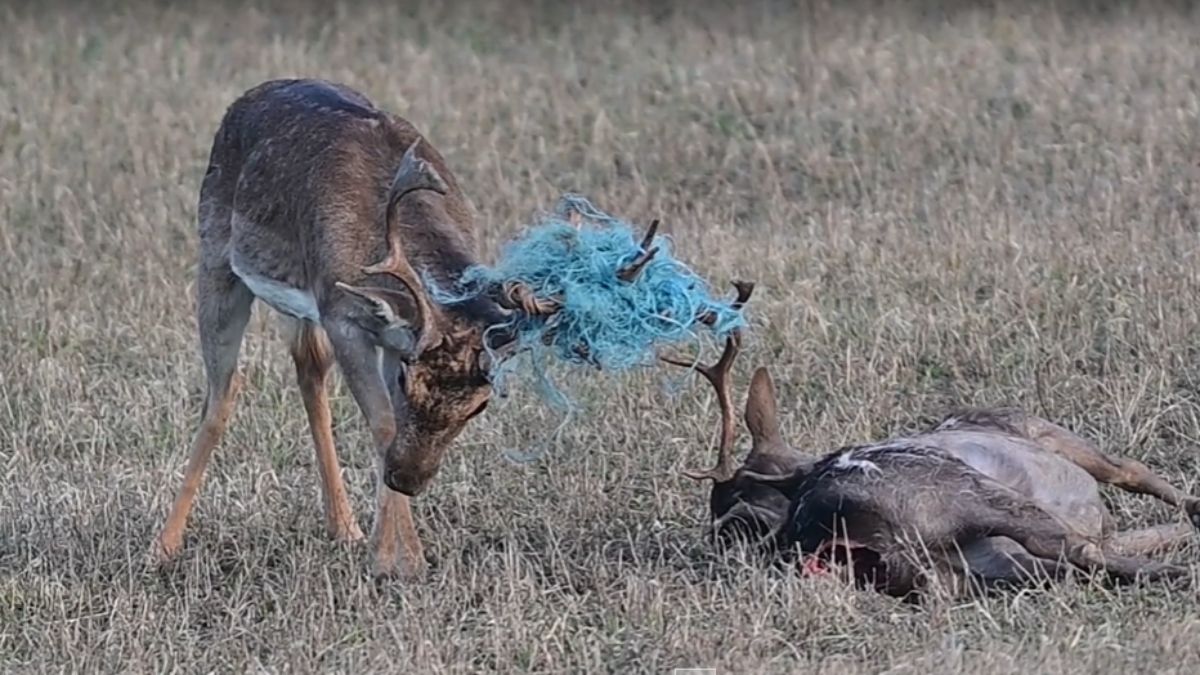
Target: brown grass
[[974, 206]]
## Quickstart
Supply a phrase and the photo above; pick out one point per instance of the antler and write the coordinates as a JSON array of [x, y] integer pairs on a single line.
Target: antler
[[630, 271], [519, 296], [414, 174], [718, 374], [515, 295]]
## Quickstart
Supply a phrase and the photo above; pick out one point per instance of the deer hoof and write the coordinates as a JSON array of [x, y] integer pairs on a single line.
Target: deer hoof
[[384, 571], [163, 552], [346, 532], [1193, 510]]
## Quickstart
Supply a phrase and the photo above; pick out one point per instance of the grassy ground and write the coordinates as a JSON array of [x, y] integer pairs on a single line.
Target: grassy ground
[[940, 208]]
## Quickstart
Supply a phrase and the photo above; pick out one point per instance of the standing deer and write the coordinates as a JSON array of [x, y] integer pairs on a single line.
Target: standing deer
[[335, 214], [991, 496]]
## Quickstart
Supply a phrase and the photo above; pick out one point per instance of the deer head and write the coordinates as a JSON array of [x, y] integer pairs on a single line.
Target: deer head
[[749, 502], [754, 502], [434, 356]]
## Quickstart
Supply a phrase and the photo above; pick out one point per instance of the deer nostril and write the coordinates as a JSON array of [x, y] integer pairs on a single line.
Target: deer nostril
[[395, 480]]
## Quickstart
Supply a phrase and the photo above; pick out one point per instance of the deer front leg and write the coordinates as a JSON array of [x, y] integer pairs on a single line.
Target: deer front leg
[[1002, 560], [396, 546]]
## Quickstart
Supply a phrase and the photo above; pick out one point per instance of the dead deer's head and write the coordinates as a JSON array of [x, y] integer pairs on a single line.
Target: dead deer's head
[[434, 357], [751, 501]]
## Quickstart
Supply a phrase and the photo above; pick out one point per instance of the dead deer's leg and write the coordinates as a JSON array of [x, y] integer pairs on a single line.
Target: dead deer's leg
[[394, 538], [1003, 512], [1127, 474], [223, 309], [313, 358], [1002, 560], [1148, 540]]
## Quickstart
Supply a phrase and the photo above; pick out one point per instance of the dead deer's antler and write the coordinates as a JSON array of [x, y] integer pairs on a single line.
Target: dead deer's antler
[[630, 271], [718, 375], [414, 174]]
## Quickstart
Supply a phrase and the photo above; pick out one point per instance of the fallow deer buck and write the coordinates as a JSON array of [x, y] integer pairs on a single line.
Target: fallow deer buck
[[990, 496], [335, 214]]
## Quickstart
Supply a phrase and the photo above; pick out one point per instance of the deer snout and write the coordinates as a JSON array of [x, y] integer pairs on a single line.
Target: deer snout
[[408, 478]]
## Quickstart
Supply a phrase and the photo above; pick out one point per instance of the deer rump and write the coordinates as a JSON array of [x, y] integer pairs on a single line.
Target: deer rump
[[991, 496]]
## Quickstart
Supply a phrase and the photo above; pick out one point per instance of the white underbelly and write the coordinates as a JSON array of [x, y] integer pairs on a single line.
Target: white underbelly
[[296, 302]]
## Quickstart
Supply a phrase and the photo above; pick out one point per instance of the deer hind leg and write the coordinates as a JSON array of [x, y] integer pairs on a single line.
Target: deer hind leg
[[313, 358], [1002, 512], [1127, 474], [223, 310], [396, 545]]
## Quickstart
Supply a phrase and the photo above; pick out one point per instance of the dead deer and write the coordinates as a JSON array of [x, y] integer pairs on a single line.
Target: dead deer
[[336, 214], [987, 496]]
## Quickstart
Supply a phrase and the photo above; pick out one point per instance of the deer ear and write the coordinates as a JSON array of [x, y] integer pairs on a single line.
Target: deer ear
[[762, 417], [383, 313]]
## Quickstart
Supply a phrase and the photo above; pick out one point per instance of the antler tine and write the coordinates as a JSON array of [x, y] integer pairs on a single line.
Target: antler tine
[[718, 374], [414, 174], [518, 296], [744, 290], [630, 271], [396, 264]]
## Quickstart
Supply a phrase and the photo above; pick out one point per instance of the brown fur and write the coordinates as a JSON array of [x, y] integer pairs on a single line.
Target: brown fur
[[306, 181]]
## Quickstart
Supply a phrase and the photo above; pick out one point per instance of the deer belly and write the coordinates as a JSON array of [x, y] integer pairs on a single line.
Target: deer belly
[[283, 298], [1060, 487]]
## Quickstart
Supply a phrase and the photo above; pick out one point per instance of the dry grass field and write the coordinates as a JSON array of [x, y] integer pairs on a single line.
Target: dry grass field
[[941, 205]]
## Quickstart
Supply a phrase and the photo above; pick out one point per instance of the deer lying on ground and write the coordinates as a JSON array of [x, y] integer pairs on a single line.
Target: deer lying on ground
[[334, 213], [990, 496]]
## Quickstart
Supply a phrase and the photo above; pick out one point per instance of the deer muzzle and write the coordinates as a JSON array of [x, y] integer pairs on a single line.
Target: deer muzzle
[[410, 470], [409, 480]]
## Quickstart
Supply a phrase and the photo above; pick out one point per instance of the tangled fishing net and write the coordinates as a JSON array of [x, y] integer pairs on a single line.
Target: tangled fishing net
[[604, 321]]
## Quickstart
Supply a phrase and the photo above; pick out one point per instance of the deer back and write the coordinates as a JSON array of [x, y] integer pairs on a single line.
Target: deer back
[[302, 171]]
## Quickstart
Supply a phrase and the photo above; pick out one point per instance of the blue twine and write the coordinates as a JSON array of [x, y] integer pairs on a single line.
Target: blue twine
[[604, 322]]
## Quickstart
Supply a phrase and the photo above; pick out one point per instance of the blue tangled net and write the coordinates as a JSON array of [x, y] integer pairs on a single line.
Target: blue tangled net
[[604, 322]]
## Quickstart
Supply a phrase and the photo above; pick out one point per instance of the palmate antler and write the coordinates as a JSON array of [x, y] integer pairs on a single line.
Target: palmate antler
[[415, 173], [718, 374]]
